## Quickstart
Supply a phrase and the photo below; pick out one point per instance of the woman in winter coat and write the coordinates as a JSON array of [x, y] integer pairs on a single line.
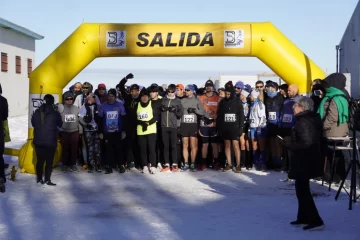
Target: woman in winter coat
[[306, 162], [230, 122]]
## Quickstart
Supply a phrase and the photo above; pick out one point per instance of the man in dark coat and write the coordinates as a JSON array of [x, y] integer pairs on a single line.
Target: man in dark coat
[[4, 110], [306, 160], [46, 122]]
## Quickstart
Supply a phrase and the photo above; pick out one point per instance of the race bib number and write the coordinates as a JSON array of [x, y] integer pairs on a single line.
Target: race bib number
[[287, 118], [189, 118], [230, 117], [143, 115], [112, 115], [70, 118], [272, 116]]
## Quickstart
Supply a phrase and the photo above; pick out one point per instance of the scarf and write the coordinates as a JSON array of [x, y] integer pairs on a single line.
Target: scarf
[[339, 98]]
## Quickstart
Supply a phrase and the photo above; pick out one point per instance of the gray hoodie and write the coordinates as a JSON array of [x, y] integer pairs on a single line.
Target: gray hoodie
[[70, 117], [192, 103]]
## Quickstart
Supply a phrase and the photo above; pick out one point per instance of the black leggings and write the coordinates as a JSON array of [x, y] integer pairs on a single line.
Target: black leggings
[[169, 137], [44, 155], [147, 145]]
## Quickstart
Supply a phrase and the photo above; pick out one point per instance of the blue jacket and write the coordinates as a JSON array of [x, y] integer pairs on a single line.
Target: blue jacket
[[46, 122], [113, 117]]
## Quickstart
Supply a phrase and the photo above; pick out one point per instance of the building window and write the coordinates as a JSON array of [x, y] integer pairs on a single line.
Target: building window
[[18, 64], [4, 62], [29, 65]]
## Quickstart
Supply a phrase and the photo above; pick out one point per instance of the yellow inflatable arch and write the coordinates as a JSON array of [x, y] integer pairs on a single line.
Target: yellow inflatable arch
[[91, 40]]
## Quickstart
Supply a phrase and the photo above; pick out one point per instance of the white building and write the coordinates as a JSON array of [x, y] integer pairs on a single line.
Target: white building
[[17, 49], [348, 52]]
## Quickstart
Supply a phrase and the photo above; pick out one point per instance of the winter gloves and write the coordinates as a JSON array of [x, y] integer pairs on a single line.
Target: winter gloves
[[170, 109], [191, 110]]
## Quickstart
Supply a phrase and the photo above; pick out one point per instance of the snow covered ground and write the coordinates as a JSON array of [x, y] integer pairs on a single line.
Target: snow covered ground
[[202, 205]]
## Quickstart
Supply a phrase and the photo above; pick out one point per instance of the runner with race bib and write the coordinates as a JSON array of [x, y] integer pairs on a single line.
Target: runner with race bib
[[113, 114], [230, 122], [193, 111]]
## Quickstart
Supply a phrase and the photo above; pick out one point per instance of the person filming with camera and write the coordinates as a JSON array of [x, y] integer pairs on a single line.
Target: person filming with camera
[[46, 122]]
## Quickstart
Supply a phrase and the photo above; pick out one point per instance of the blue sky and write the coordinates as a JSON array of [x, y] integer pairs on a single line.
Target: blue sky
[[315, 26]]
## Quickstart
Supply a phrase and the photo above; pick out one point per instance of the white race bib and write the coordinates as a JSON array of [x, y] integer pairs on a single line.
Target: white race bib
[[188, 118], [143, 115], [230, 117], [112, 115], [70, 118], [287, 118], [272, 116]]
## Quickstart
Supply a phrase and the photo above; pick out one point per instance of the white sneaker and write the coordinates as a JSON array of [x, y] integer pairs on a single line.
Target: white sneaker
[[145, 170], [159, 166], [153, 170]]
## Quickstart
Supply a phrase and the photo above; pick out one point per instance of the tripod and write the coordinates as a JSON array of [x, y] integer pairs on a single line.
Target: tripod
[[354, 162]]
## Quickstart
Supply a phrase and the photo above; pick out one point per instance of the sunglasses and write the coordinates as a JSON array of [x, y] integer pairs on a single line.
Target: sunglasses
[[102, 89], [237, 88], [68, 99], [187, 90], [85, 88], [259, 86]]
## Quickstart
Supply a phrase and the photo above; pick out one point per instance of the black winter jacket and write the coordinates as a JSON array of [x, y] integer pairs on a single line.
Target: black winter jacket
[[4, 112], [130, 105], [306, 154], [231, 106], [46, 122]]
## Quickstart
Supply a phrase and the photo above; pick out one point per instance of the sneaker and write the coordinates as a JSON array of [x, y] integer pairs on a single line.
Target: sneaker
[[202, 167], [228, 167], [2, 185], [49, 183], [216, 166], [145, 170], [193, 168], [131, 165], [174, 168], [314, 227], [159, 166], [84, 167], [185, 168], [122, 169], [166, 168], [108, 170], [73, 168], [238, 169], [153, 170], [298, 223]]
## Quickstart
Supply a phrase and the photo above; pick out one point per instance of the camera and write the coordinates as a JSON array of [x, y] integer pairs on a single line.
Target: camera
[[317, 93]]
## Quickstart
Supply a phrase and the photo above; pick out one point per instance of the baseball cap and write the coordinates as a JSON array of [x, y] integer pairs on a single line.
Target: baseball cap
[[134, 87], [239, 84], [180, 86], [209, 83], [101, 85]]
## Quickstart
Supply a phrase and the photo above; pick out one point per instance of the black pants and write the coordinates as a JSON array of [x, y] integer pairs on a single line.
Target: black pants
[[132, 149], [307, 211], [44, 155], [147, 145], [169, 137], [114, 155], [159, 147], [2, 164]]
